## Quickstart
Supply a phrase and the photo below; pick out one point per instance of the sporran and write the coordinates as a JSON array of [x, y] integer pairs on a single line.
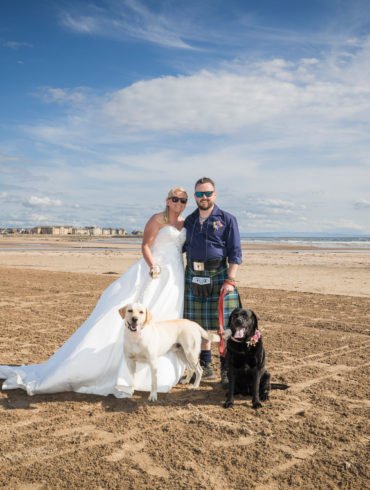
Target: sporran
[[201, 286]]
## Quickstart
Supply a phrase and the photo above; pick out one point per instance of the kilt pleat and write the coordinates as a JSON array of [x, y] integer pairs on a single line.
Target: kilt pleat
[[205, 310]]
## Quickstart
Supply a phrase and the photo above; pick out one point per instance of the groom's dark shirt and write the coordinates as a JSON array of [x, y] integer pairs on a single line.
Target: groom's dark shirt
[[217, 238]]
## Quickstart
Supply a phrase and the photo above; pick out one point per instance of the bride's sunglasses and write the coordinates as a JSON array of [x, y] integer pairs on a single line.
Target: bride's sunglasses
[[200, 194], [175, 199]]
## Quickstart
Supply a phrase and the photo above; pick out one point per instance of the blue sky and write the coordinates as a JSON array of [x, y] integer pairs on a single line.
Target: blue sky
[[105, 105]]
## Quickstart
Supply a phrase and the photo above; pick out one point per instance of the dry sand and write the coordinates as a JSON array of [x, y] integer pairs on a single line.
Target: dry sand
[[314, 308]]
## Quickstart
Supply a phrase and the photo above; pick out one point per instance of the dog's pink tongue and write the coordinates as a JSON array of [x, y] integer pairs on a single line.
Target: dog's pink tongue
[[239, 334]]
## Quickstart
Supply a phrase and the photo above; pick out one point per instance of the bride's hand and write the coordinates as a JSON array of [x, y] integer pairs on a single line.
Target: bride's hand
[[155, 271]]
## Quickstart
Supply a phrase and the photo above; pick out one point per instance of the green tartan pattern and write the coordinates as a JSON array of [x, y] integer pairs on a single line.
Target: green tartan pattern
[[205, 310]]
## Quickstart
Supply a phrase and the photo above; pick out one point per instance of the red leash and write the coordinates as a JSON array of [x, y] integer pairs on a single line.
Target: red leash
[[221, 319]]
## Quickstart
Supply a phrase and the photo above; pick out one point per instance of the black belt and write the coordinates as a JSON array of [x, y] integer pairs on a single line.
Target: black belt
[[208, 264]]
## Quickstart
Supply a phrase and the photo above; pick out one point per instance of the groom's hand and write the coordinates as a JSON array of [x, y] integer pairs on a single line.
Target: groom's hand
[[227, 287]]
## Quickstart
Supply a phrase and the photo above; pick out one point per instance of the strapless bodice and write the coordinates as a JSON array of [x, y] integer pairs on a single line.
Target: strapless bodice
[[167, 238]]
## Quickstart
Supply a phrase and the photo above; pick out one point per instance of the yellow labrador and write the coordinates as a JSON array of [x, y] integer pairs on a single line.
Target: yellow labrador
[[146, 341]]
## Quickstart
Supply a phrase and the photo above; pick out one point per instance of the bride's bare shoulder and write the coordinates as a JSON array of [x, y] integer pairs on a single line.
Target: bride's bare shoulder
[[156, 221]]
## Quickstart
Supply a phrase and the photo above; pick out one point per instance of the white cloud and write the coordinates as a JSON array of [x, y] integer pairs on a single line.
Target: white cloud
[[277, 204], [280, 97], [203, 26], [6, 158], [362, 204], [80, 23], [17, 45], [38, 218], [210, 103], [74, 96], [35, 201], [287, 143], [261, 212], [129, 19], [345, 225], [286, 103]]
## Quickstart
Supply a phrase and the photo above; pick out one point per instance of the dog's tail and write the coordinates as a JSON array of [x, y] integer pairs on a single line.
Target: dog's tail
[[279, 386], [212, 337]]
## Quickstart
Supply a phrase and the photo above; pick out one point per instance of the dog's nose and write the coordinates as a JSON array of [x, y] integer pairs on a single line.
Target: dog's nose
[[134, 319], [238, 322]]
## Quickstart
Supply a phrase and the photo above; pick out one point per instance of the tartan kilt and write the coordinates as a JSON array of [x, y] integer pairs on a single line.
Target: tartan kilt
[[205, 310]]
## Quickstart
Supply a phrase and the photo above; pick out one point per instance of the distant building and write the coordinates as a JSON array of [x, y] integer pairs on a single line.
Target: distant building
[[80, 231], [53, 230], [113, 231], [67, 230], [94, 230]]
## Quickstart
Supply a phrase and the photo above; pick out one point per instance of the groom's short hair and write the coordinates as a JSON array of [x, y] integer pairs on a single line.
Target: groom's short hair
[[205, 180]]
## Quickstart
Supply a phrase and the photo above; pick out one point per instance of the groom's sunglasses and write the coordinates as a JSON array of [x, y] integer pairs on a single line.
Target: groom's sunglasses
[[200, 194], [183, 200]]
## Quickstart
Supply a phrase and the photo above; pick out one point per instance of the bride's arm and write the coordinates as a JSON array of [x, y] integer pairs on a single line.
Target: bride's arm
[[150, 233]]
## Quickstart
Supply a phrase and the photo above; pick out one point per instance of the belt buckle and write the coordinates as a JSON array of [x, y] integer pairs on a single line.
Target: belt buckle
[[198, 266]]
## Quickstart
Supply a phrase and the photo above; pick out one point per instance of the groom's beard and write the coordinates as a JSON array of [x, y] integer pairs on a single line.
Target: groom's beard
[[204, 205]]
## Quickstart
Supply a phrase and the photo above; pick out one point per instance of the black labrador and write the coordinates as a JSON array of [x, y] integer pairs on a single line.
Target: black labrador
[[245, 359]]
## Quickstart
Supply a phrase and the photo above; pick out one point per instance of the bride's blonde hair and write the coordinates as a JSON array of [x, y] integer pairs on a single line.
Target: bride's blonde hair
[[171, 193]]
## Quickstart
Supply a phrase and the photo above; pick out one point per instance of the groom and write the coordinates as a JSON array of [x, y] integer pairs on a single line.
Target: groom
[[213, 253]]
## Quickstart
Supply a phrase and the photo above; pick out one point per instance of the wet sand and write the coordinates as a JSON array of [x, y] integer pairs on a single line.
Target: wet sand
[[269, 266]]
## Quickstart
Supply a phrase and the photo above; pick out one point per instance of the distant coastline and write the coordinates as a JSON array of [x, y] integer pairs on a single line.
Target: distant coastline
[[340, 243], [315, 240]]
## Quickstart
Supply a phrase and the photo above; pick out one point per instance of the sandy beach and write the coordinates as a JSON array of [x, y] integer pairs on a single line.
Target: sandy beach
[[313, 306], [268, 266]]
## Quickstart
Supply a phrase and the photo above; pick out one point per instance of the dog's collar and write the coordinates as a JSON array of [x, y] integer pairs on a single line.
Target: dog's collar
[[237, 340], [252, 342]]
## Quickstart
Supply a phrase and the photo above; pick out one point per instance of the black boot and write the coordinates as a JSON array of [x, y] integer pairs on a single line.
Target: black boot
[[208, 372], [206, 364]]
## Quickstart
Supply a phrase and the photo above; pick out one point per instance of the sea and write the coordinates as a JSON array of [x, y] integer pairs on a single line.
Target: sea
[[324, 242], [327, 241]]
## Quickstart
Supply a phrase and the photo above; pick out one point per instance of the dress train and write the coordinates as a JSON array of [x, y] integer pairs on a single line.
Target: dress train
[[92, 359]]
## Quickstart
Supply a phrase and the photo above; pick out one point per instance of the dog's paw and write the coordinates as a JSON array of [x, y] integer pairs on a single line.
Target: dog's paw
[[152, 397], [256, 405], [228, 404], [188, 379]]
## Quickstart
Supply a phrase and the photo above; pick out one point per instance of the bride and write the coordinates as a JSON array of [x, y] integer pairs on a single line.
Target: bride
[[92, 359]]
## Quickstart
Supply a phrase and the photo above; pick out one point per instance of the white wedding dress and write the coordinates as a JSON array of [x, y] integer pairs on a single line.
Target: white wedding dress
[[92, 359]]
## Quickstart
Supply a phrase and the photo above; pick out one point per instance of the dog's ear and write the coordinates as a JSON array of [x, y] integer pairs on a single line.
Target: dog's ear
[[122, 311], [149, 317], [255, 321], [229, 322]]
